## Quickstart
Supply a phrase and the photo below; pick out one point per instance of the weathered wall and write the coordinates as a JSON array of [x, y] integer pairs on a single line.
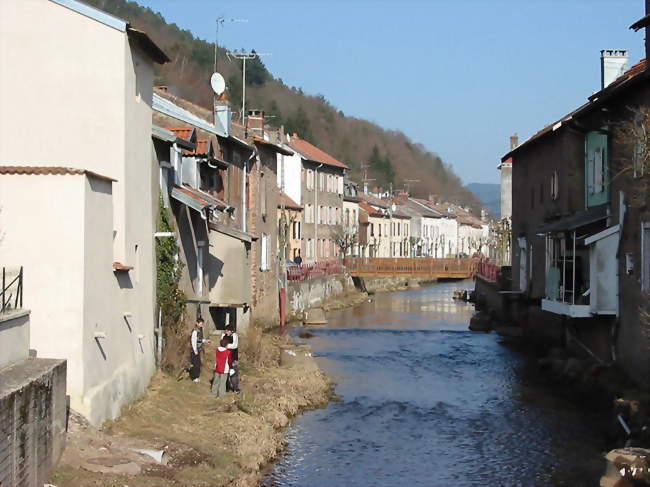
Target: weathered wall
[[14, 336], [302, 295], [32, 420]]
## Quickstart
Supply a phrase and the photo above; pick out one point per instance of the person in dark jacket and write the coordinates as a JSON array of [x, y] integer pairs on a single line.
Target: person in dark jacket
[[231, 336], [196, 342]]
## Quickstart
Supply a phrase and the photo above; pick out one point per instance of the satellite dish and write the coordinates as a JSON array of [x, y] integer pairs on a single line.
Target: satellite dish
[[218, 83]]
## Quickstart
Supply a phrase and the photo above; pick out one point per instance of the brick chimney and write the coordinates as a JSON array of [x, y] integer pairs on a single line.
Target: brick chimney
[[514, 141], [613, 63], [255, 123]]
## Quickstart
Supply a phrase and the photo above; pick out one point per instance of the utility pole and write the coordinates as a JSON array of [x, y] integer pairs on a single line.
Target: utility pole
[[407, 184], [244, 56]]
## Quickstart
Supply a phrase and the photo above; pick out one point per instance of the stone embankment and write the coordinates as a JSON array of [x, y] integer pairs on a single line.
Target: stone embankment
[[208, 441]]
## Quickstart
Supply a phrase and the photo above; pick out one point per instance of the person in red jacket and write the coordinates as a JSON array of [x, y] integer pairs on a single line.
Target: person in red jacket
[[222, 366]]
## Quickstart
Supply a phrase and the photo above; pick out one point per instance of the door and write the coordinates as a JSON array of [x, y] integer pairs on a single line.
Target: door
[[523, 264]]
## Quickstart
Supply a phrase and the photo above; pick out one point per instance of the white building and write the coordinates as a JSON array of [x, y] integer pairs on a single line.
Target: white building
[[79, 213]]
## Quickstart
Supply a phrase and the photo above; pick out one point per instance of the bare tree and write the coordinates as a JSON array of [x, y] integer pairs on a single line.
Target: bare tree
[[346, 238]]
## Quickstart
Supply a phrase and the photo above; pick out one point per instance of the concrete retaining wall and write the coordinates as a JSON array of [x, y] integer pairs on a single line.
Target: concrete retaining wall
[[32, 420], [14, 337], [302, 295]]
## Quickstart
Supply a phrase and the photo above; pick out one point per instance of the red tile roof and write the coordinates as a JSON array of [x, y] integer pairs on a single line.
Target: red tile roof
[[288, 202], [313, 153], [203, 147], [52, 170], [188, 133], [119, 267], [371, 211]]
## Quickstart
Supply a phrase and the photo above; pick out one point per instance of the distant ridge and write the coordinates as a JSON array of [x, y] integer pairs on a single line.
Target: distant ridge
[[489, 195], [391, 157]]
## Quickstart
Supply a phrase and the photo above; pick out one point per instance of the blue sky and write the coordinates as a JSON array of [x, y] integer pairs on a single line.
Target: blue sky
[[458, 76]]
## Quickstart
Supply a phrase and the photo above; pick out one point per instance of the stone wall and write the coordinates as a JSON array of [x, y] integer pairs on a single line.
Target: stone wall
[[32, 420], [14, 336], [302, 295]]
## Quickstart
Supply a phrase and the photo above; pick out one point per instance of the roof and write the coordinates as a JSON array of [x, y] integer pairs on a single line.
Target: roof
[[185, 133], [371, 211], [423, 210], [622, 81], [373, 200], [145, 43], [576, 220], [52, 170], [196, 199], [271, 145], [176, 107], [313, 153], [288, 202], [642, 22]]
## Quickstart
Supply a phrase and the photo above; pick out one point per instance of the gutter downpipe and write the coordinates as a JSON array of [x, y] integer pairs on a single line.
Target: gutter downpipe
[[244, 211], [317, 213]]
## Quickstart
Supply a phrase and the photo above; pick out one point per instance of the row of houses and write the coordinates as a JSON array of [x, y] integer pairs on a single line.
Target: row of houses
[[111, 155], [580, 224]]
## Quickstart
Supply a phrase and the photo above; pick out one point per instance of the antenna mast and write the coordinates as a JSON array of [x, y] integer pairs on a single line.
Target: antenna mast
[[244, 56]]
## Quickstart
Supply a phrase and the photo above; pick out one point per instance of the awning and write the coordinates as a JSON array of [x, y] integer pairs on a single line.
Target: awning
[[195, 199], [577, 220], [232, 232]]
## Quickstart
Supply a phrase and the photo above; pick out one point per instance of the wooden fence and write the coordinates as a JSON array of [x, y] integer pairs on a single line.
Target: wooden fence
[[412, 267], [316, 269]]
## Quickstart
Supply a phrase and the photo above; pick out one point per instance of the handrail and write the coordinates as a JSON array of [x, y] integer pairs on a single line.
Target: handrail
[[315, 269], [412, 267], [6, 297]]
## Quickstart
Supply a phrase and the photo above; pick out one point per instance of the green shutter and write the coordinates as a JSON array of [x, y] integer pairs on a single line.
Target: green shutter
[[596, 169]]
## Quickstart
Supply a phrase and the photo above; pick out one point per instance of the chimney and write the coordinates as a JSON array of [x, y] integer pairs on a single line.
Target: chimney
[[255, 123], [514, 141], [613, 63], [222, 113]]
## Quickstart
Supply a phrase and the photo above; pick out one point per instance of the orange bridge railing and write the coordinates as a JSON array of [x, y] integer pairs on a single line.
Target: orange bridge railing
[[412, 267]]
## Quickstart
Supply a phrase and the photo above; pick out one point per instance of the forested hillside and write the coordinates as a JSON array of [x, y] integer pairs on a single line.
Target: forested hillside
[[390, 156]]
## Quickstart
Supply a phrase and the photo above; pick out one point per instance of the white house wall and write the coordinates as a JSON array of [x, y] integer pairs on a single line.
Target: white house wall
[[292, 166], [76, 78]]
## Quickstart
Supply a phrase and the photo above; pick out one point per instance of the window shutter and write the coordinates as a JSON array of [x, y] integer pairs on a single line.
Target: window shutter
[[596, 169]]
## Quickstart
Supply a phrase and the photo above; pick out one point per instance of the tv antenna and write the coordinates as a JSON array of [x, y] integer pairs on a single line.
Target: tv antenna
[[221, 21], [408, 182], [245, 56]]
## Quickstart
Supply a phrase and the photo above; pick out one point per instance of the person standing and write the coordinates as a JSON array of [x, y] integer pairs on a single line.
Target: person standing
[[222, 364], [196, 342], [232, 339]]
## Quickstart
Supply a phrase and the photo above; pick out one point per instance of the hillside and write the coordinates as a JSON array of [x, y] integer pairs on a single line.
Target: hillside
[[489, 195], [390, 155]]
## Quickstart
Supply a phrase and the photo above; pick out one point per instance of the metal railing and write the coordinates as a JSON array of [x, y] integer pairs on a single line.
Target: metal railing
[[488, 271], [11, 296], [315, 269]]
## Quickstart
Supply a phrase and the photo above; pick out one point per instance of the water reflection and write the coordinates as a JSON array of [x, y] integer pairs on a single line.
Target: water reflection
[[426, 402]]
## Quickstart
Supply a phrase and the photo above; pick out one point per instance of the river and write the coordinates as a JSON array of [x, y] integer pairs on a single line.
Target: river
[[426, 402]]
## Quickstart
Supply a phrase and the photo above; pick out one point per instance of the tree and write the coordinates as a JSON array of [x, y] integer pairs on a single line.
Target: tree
[[299, 123], [346, 238], [381, 167]]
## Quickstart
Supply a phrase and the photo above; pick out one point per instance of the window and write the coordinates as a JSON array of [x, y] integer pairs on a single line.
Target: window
[[555, 186], [372, 230], [380, 229], [265, 250], [596, 169], [645, 256], [262, 195]]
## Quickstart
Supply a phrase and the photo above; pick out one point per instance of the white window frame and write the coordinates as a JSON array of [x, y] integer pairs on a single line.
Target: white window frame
[[264, 252], [645, 258]]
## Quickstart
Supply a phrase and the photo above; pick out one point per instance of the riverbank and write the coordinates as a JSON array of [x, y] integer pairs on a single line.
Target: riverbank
[[209, 442]]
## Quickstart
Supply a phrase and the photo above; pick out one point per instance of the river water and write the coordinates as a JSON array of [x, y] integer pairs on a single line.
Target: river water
[[426, 402]]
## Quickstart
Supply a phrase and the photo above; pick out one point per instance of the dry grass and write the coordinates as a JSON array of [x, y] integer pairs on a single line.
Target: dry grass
[[214, 442]]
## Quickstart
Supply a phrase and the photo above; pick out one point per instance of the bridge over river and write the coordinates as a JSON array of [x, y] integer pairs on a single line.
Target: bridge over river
[[419, 267]]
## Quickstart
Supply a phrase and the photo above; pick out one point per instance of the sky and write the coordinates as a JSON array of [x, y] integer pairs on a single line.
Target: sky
[[458, 76]]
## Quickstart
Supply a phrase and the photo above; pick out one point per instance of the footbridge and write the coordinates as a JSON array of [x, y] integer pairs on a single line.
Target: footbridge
[[418, 267]]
